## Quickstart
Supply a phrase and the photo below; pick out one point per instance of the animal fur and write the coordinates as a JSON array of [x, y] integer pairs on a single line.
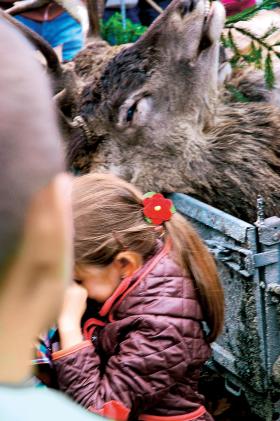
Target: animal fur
[[182, 136], [189, 141]]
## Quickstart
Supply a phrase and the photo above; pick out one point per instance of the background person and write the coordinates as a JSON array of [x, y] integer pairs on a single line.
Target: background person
[[55, 25]]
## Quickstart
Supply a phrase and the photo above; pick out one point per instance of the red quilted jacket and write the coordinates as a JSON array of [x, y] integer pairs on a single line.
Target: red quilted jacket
[[143, 364]]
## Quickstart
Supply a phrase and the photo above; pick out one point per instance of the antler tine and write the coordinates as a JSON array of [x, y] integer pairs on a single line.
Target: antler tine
[[93, 14], [42, 45]]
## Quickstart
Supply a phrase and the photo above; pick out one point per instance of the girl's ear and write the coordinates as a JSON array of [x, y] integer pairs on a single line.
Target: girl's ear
[[128, 262]]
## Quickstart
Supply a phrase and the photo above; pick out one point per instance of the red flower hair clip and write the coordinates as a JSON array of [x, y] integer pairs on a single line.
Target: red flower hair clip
[[157, 209]]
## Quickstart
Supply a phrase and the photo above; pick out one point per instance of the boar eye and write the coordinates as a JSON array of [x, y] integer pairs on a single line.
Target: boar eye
[[130, 112]]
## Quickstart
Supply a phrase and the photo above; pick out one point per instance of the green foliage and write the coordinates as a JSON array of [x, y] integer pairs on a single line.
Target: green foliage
[[236, 94], [114, 33], [261, 52], [268, 72]]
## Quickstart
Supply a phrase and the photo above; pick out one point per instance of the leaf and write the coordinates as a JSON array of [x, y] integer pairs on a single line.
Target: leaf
[[232, 43], [237, 95], [256, 55], [268, 72]]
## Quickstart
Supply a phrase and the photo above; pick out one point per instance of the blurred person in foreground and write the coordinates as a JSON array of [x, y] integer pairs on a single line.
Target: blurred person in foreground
[[35, 231]]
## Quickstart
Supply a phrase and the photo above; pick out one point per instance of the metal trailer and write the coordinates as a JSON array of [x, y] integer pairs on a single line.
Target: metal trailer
[[247, 354]]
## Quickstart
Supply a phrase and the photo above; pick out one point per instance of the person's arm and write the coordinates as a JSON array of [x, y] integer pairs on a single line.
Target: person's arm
[[151, 359], [6, 3]]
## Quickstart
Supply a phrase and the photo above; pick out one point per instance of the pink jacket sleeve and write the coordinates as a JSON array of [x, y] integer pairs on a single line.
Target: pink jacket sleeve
[[136, 376]]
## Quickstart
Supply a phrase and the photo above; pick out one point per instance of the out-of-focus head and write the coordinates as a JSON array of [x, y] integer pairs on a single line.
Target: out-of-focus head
[[35, 216]]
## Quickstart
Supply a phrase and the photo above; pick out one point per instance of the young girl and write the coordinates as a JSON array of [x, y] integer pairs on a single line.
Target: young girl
[[151, 283]]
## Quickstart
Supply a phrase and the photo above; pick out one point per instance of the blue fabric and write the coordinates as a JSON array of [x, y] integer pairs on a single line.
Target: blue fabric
[[63, 30]]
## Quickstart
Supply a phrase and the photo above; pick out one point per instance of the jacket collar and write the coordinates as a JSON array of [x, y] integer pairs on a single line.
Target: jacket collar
[[129, 283]]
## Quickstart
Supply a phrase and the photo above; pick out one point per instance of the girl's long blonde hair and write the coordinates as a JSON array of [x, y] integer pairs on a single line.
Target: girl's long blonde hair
[[108, 219]]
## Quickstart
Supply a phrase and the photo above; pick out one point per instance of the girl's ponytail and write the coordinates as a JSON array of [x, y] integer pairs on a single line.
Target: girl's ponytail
[[195, 259]]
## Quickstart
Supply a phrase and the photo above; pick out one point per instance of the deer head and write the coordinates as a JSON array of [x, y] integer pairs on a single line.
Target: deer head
[[161, 91], [146, 113], [164, 83]]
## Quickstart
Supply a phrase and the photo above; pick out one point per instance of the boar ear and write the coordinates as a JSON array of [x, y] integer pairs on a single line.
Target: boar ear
[[75, 132], [65, 103]]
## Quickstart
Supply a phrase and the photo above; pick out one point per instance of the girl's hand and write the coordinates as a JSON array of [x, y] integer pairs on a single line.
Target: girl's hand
[[69, 323], [73, 307]]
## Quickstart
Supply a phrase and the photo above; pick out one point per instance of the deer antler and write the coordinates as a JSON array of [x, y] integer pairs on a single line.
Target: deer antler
[[48, 52], [64, 78], [94, 14]]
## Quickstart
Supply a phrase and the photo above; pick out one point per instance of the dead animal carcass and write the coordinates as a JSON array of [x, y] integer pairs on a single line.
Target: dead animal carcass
[[151, 114]]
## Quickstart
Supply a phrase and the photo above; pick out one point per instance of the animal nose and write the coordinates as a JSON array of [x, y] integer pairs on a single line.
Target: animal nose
[[187, 6]]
